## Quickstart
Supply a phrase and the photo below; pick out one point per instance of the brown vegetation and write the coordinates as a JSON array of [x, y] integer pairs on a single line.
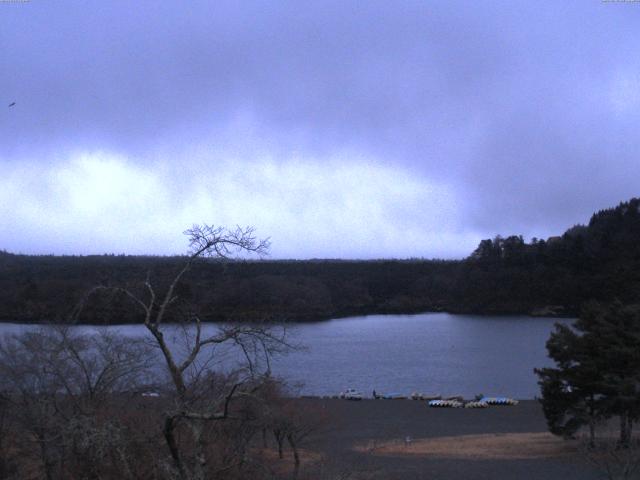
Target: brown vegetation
[[101, 406], [498, 446], [76, 406]]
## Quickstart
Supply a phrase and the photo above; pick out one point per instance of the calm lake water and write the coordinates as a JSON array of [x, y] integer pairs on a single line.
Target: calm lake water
[[431, 353]]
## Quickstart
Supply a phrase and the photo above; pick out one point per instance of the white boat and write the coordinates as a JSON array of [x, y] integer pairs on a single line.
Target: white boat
[[445, 404], [351, 394]]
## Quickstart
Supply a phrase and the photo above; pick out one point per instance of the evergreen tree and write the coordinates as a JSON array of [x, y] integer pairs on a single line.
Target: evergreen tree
[[571, 393], [598, 371]]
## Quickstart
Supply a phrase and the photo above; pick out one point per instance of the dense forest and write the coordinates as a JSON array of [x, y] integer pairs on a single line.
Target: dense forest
[[504, 275]]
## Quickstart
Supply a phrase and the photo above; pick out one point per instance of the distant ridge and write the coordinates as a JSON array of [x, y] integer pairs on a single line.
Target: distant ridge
[[503, 275]]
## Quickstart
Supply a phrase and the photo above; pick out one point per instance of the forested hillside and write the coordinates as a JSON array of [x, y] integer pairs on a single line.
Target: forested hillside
[[555, 276], [599, 261]]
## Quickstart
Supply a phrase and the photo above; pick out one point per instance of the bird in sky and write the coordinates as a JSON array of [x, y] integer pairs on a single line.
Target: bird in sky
[[12, 104]]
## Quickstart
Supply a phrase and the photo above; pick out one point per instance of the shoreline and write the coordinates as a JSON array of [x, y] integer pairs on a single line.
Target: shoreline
[[318, 319], [395, 440]]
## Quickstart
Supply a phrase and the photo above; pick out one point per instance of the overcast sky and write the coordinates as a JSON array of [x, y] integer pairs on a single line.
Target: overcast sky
[[339, 129]]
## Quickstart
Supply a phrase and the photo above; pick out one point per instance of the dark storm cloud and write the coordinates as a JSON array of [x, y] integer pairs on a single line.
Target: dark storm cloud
[[525, 113]]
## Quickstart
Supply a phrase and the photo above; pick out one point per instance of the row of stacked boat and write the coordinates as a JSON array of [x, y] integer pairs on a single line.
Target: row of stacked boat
[[482, 402], [437, 401]]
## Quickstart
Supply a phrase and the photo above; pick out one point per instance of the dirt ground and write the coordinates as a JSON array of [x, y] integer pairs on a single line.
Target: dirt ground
[[490, 446], [405, 439]]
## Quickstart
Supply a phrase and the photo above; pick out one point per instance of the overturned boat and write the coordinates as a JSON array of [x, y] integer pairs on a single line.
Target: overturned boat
[[445, 403], [499, 401], [476, 404]]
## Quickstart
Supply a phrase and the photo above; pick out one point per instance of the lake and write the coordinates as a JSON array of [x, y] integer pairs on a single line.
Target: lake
[[431, 353]]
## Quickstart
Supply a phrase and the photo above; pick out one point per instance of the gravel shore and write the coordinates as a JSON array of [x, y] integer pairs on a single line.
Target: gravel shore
[[394, 439]]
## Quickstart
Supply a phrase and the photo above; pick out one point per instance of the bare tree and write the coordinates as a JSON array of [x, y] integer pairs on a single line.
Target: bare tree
[[54, 381], [296, 422], [291, 421], [200, 398]]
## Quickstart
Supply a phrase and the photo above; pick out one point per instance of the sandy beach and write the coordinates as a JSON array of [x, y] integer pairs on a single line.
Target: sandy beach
[[376, 439]]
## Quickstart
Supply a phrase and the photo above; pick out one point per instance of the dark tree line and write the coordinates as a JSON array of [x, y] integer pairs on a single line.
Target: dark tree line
[[556, 276]]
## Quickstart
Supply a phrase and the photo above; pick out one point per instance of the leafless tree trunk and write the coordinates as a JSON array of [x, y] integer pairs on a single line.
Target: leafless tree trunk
[[625, 430], [58, 384], [196, 402], [279, 436], [296, 456]]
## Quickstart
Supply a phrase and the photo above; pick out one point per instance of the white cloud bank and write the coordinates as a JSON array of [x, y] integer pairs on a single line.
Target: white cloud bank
[[99, 202]]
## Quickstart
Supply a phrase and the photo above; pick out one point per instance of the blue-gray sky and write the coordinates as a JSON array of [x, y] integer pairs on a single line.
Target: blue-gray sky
[[339, 129]]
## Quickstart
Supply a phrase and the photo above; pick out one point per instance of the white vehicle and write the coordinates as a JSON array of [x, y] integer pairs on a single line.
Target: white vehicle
[[351, 394]]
